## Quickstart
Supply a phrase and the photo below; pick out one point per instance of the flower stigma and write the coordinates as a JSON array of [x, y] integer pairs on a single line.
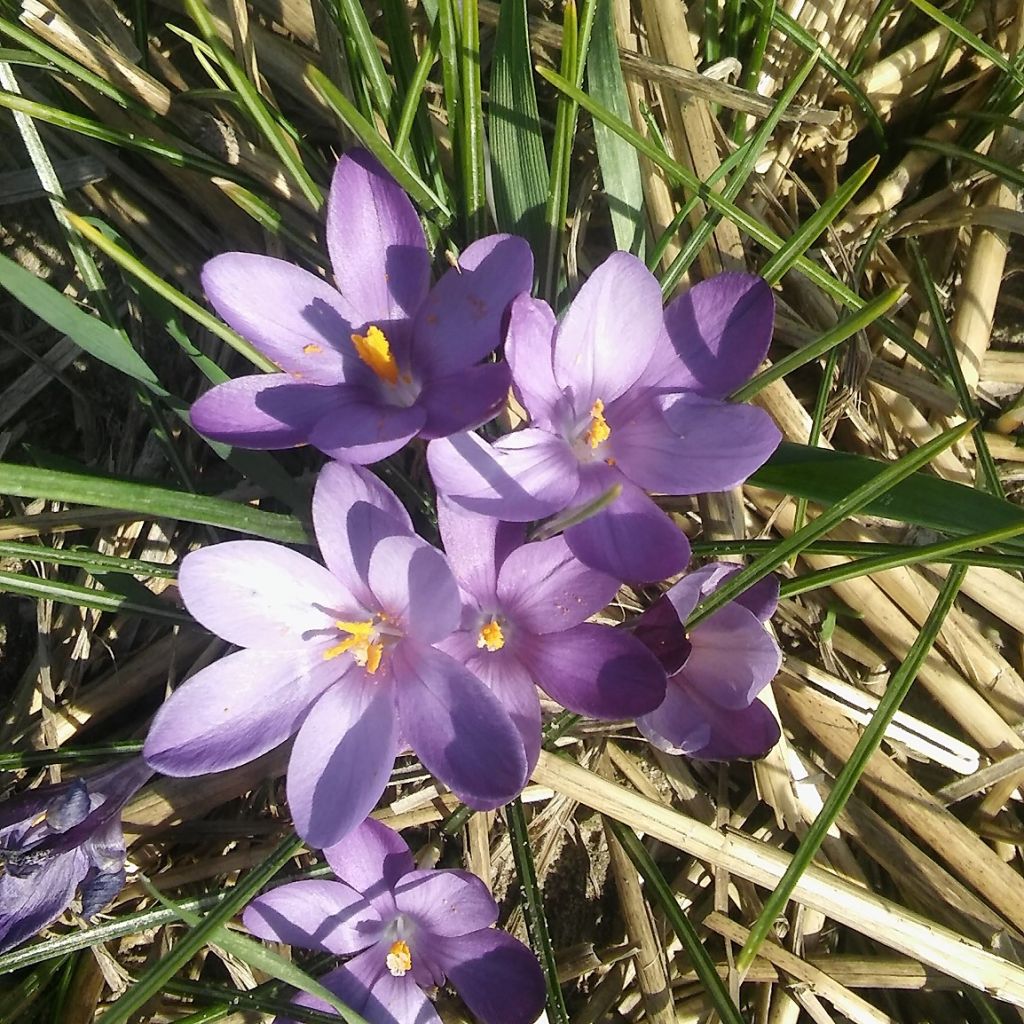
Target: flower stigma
[[491, 636], [399, 959], [374, 350], [362, 643], [598, 432]]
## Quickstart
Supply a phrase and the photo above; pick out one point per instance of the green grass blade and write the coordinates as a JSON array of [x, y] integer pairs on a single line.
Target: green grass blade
[[471, 144], [897, 689], [354, 25], [149, 501], [828, 341], [1014, 175], [519, 165], [853, 501]]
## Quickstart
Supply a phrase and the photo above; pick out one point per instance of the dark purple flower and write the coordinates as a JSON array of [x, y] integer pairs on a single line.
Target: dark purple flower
[[622, 392], [716, 671], [524, 612], [342, 657], [383, 357], [56, 840], [410, 930]]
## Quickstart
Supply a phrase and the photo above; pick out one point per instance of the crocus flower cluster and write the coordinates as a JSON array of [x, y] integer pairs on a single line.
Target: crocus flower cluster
[[406, 932], [61, 839]]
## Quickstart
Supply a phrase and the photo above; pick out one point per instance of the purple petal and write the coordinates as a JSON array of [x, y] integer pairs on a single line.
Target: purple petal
[[352, 511], [688, 723], [733, 657], [503, 674], [458, 728], [497, 977], [378, 252], [460, 322], [99, 889], [525, 476], [297, 320], [342, 758], [371, 859], [607, 337], [544, 588], [314, 914], [717, 335], [660, 630], [762, 598], [415, 588], [464, 400], [232, 711], [364, 430], [29, 904], [476, 546], [529, 351], [446, 902], [595, 670], [262, 412], [721, 443], [631, 539], [262, 595]]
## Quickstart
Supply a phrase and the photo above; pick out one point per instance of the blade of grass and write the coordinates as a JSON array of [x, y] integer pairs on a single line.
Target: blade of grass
[[845, 507], [845, 782], [471, 144], [1014, 175], [533, 909], [353, 24]]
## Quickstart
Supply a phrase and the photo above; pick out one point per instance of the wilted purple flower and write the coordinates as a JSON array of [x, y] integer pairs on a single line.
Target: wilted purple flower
[[381, 358], [57, 839], [716, 671], [411, 930], [342, 658], [622, 392], [524, 623]]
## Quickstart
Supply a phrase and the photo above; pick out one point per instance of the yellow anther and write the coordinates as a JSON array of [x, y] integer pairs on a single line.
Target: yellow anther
[[399, 959], [374, 350], [366, 651], [311, 349], [491, 636], [598, 430]]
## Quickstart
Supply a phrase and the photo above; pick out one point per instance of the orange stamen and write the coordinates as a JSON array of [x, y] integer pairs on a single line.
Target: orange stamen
[[374, 350], [491, 636], [598, 431], [399, 959]]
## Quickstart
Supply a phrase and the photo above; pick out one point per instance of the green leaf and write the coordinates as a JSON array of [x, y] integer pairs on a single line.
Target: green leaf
[[471, 145], [149, 501], [825, 476], [519, 165]]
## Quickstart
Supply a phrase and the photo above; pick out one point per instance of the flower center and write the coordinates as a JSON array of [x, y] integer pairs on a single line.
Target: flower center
[[491, 636], [598, 432], [362, 643], [374, 350], [399, 959]]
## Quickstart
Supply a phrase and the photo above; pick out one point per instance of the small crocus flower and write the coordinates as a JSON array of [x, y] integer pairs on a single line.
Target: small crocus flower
[[56, 840], [716, 671], [383, 357], [409, 930], [524, 625], [622, 393], [341, 657]]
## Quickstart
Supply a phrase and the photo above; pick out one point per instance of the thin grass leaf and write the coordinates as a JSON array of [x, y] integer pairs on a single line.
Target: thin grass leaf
[[149, 501], [471, 143], [828, 341], [519, 165], [1014, 175], [231, 1000], [533, 909], [620, 166], [895, 692], [661, 892], [354, 24], [852, 502], [411, 105], [69, 755]]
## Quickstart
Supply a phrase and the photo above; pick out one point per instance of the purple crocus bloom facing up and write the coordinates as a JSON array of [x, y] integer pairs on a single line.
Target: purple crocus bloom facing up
[[622, 392], [409, 930], [341, 657], [716, 671], [383, 357], [524, 616], [56, 840]]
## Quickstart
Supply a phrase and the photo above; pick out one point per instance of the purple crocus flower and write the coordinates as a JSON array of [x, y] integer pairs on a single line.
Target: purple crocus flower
[[622, 392], [342, 657], [383, 357], [716, 671], [410, 930], [56, 840], [524, 615]]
